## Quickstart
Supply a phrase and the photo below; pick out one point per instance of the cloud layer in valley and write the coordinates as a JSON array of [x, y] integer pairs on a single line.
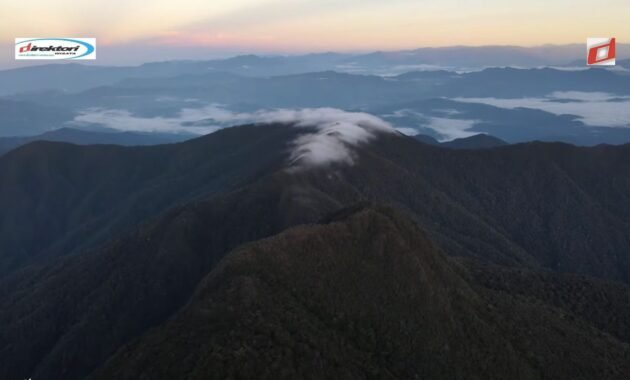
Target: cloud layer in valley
[[592, 108], [450, 129], [187, 121], [445, 128]]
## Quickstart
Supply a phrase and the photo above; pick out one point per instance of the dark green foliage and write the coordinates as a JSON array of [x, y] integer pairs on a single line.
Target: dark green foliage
[[366, 297], [604, 305], [57, 198], [117, 292], [364, 294], [537, 204]]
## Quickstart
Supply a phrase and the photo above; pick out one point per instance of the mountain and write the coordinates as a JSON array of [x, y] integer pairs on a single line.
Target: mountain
[[480, 141], [60, 198], [326, 88], [334, 299], [366, 90], [22, 118], [517, 83], [515, 105], [73, 77], [138, 280], [83, 137], [137, 261], [475, 57], [427, 75], [624, 63], [76, 77], [442, 118], [112, 188], [364, 295], [426, 139]]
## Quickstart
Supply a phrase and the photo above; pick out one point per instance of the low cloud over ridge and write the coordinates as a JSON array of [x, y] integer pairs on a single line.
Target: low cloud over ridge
[[334, 132]]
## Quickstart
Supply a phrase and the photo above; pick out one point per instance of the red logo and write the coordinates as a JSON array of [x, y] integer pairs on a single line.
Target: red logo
[[26, 48], [600, 51]]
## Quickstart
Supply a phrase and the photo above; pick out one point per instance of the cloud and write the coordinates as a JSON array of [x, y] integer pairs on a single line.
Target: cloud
[[336, 133], [126, 121], [446, 128], [597, 109], [332, 134], [450, 129], [408, 131]]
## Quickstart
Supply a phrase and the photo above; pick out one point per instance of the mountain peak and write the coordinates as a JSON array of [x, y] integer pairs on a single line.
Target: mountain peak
[[479, 141], [366, 295]]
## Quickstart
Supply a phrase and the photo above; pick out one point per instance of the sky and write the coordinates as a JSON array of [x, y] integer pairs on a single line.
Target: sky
[[133, 31]]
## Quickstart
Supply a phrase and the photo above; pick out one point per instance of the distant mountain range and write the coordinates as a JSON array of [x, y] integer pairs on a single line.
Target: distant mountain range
[[75, 77], [480, 141], [23, 118], [515, 105], [82, 137], [225, 256]]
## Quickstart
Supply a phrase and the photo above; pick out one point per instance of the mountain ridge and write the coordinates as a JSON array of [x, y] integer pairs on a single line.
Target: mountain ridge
[[84, 137], [523, 207], [272, 307]]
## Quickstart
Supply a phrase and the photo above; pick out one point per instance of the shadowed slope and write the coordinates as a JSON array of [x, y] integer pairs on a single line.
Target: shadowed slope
[[367, 296], [59, 198]]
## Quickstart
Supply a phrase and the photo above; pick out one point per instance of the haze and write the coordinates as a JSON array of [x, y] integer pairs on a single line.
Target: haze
[[139, 31]]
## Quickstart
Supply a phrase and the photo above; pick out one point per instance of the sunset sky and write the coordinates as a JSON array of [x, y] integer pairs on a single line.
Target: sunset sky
[[134, 31]]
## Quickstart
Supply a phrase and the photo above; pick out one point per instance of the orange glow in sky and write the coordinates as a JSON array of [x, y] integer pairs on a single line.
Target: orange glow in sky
[[316, 25]]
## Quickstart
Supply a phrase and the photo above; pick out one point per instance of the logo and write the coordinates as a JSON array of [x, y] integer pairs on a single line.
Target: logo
[[55, 48], [600, 51]]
